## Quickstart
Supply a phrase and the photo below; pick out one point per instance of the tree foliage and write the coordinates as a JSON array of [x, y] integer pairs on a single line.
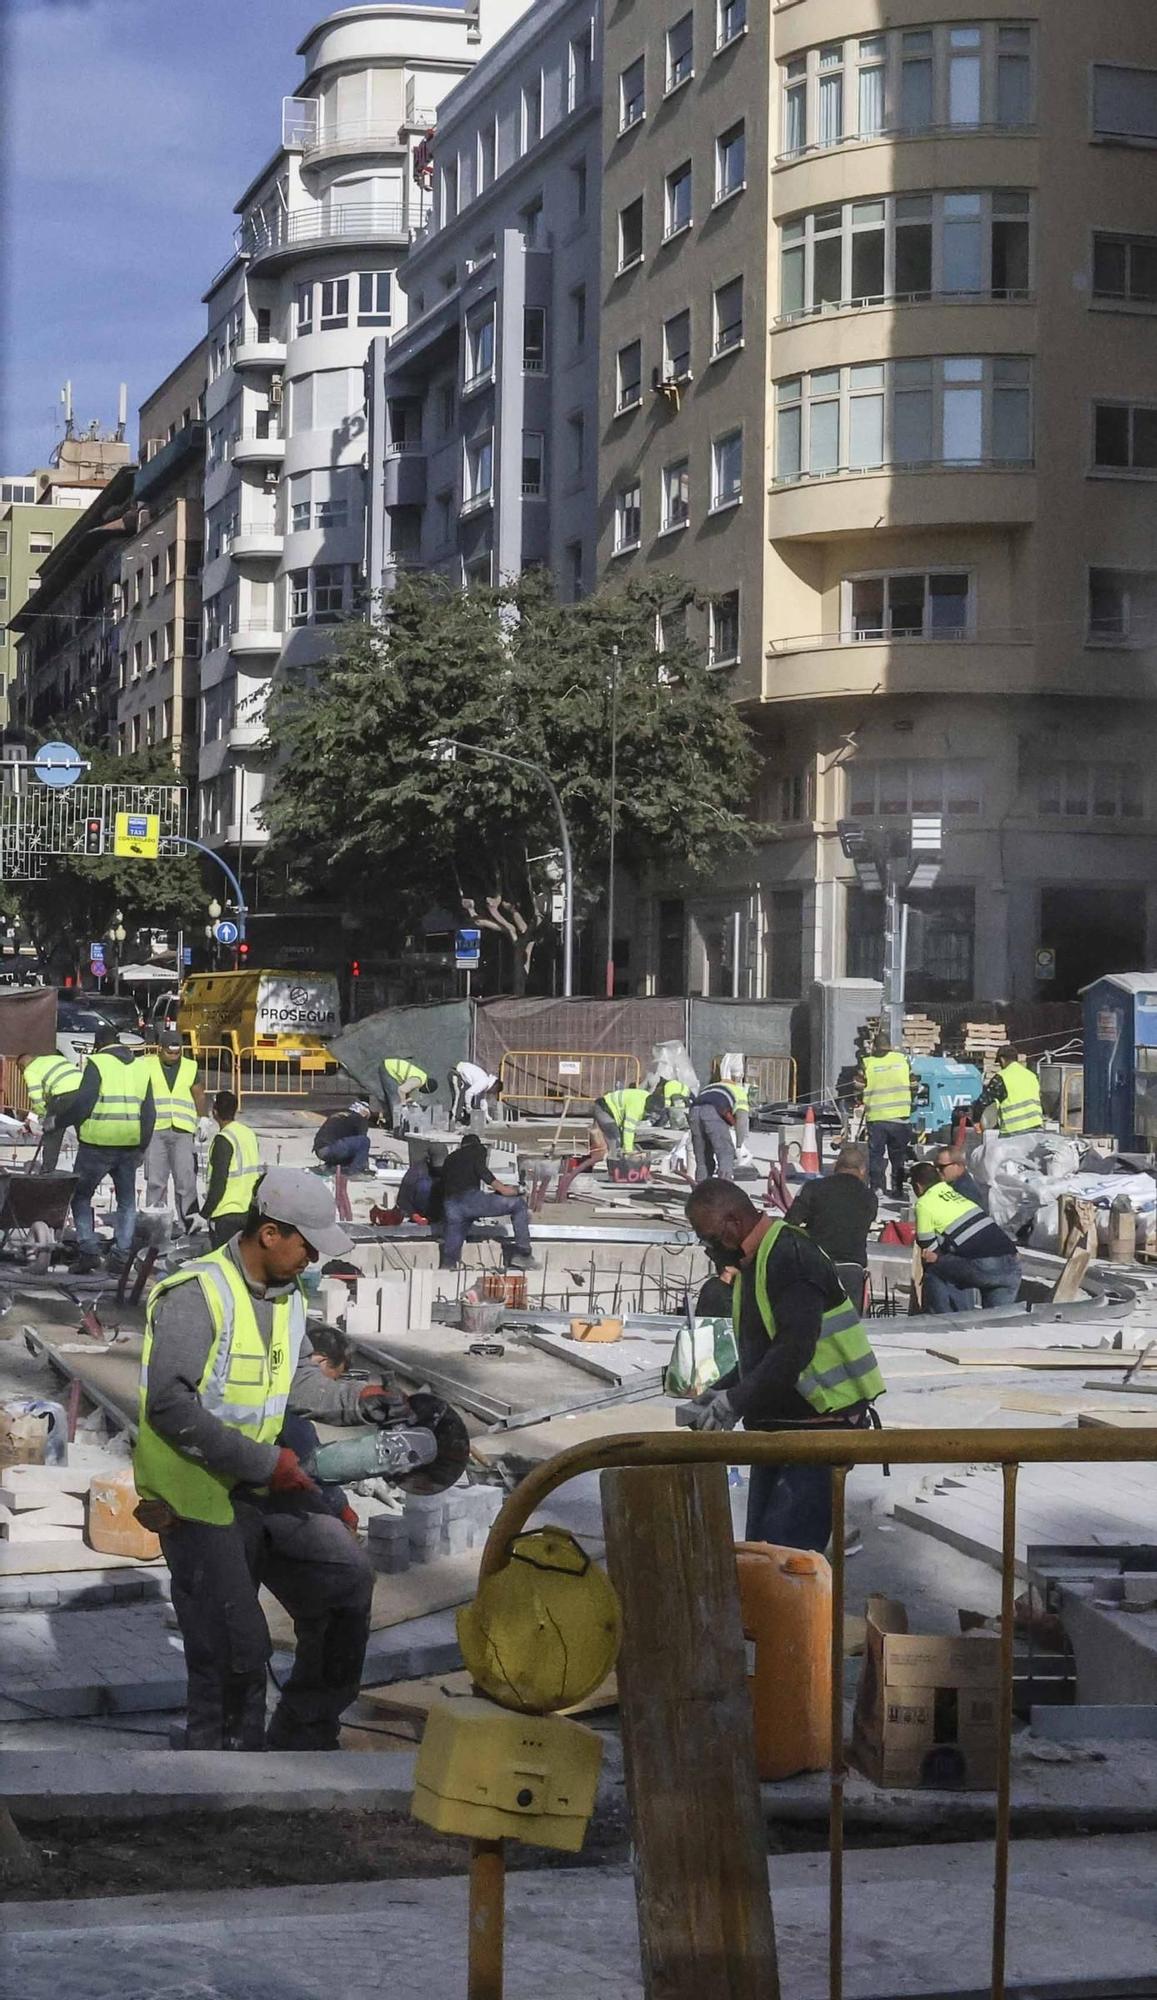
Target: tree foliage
[[359, 809]]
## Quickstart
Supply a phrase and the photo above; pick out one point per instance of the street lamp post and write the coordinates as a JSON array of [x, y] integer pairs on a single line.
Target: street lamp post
[[895, 862], [116, 936], [440, 744]]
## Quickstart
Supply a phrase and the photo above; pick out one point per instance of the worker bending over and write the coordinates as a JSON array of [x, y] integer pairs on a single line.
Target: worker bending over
[[234, 1171], [713, 1117], [179, 1102], [617, 1115], [224, 1360], [343, 1139], [114, 1117], [963, 1250], [837, 1213], [49, 1080], [398, 1082], [805, 1360], [885, 1083], [470, 1086], [668, 1101], [1015, 1091], [470, 1193]]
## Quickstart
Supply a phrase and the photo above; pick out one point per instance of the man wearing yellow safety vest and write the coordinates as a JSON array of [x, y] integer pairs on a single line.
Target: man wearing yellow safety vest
[[805, 1360], [885, 1082], [963, 1250], [617, 1114], [179, 1102], [398, 1081], [49, 1080], [225, 1358], [234, 1171], [114, 1117], [1015, 1091]]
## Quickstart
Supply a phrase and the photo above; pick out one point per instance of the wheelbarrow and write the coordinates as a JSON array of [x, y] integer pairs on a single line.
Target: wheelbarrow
[[33, 1210]]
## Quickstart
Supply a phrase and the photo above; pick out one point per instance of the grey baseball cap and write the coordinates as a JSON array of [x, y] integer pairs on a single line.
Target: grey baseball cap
[[304, 1203], [169, 1038]]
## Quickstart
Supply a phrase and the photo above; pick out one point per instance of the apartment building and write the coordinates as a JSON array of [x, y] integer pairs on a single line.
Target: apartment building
[[483, 448], [879, 379], [159, 634], [322, 230], [66, 634], [34, 516]]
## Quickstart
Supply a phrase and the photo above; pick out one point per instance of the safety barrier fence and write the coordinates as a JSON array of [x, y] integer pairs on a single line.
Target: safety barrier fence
[[840, 1450], [13, 1089], [771, 1079], [266, 1073], [550, 1079]]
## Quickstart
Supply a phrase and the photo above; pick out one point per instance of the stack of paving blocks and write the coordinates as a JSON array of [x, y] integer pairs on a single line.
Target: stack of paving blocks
[[390, 1304], [433, 1525]]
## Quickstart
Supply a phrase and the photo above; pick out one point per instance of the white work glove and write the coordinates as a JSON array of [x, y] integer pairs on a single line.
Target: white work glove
[[206, 1131]]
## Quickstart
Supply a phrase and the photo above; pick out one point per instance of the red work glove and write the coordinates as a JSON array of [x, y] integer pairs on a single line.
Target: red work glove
[[350, 1520], [288, 1475], [378, 1404]]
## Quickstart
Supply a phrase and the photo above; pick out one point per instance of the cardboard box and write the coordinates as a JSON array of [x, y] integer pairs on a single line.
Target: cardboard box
[[928, 1707]]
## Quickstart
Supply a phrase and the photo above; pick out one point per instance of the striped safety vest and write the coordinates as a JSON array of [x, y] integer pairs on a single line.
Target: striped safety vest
[[626, 1107], [245, 1169], [944, 1216], [400, 1071], [244, 1384], [843, 1370], [1020, 1107], [115, 1119], [887, 1089], [175, 1105], [50, 1076]]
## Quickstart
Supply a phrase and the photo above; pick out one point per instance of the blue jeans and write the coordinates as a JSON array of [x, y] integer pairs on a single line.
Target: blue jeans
[[949, 1283], [790, 1506], [888, 1139], [120, 1163], [353, 1154], [478, 1206]]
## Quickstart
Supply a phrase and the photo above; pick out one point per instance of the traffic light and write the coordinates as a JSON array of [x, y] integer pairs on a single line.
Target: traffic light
[[243, 950], [94, 836], [355, 968]]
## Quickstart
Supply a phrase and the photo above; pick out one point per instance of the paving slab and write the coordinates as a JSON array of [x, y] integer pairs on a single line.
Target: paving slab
[[93, 1662], [134, 1784]]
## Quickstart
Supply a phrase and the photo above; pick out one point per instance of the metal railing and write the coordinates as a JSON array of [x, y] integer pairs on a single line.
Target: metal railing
[[550, 1079], [771, 1079], [797, 153], [828, 308], [840, 1450], [346, 136], [356, 222], [217, 1066], [13, 1089], [275, 1073]]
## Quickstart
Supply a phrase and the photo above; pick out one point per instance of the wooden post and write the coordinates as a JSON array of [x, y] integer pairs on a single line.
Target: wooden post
[[705, 1923]]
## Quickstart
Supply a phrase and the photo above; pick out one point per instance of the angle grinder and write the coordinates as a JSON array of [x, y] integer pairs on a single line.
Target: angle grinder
[[423, 1452]]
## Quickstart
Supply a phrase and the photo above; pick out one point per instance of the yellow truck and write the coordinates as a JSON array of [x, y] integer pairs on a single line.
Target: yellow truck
[[262, 1016]]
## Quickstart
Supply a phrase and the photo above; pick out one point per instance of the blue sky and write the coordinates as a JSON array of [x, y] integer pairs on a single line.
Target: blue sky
[[132, 127]]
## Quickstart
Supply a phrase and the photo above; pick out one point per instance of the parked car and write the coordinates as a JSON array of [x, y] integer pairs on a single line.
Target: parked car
[[80, 1013]]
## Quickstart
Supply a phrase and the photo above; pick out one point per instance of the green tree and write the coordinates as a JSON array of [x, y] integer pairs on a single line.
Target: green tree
[[74, 900], [360, 811]]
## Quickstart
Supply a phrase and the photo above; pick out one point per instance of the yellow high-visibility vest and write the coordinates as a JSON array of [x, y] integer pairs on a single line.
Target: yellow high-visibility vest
[[245, 1169], [115, 1119]]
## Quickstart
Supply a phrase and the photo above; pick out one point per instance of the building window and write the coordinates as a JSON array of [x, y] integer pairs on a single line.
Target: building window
[[448, 192], [139, 654], [628, 518], [375, 298], [831, 94], [153, 652], [579, 69], [299, 597], [533, 455], [303, 310], [534, 340], [578, 318], [891, 788], [730, 21], [730, 161], [1013, 75], [531, 114], [1122, 607], [676, 510], [335, 303], [154, 575], [299, 503], [170, 646], [953, 76], [727, 469], [906, 247], [479, 350], [487, 155], [331, 509], [632, 94], [723, 630], [578, 188], [479, 470], [629, 374], [446, 408], [40, 543], [1071, 790], [192, 638], [677, 347], [1124, 102], [576, 444], [677, 207], [964, 58], [445, 518], [913, 605], [328, 593], [171, 563], [1125, 437], [871, 73], [631, 234], [680, 40], [795, 106], [3, 541], [3, 590], [1125, 269], [955, 411], [574, 558], [727, 314]]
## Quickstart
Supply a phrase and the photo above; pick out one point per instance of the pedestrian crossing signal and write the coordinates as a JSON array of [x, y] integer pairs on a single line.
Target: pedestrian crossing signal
[[94, 836]]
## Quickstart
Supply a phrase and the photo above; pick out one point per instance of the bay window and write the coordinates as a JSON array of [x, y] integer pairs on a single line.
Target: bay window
[[954, 76], [956, 410], [907, 605], [973, 245]]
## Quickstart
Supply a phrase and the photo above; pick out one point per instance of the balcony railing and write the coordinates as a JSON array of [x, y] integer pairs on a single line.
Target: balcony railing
[[890, 132], [348, 137], [355, 222], [783, 481], [1009, 296]]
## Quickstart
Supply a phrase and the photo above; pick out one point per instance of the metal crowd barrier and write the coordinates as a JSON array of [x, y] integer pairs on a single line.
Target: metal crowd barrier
[[553, 1078], [13, 1089], [841, 1450], [771, 1079], [217, 1064], [262, 1073]]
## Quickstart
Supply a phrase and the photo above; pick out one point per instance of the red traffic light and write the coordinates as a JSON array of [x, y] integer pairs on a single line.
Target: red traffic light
[[355, 968], [243, 949]]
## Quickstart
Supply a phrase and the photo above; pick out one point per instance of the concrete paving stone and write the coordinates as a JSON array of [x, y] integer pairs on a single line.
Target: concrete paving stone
[[138, 1783]]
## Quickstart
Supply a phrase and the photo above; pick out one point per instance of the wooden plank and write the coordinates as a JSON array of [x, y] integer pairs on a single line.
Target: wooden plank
[[433, 1586], [705, 1923], [1068, 1285], [1042, 1357], [532, 1443], [1116, 1420], [45, 1558]]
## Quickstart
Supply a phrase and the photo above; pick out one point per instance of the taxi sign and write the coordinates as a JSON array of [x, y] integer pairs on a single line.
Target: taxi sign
[[137, 836]]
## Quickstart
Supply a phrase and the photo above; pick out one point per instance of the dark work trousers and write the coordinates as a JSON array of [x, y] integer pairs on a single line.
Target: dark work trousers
[[790, 1506], [713, 1141], [320, 1575], [50, 1146], [888, 1137], [952, 1283]]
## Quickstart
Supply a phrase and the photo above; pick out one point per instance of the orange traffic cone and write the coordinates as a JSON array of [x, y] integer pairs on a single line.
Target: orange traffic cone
[[809, 1160]]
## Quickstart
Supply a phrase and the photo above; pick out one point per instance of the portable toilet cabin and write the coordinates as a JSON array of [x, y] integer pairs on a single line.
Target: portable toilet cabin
[[1121, 1059]]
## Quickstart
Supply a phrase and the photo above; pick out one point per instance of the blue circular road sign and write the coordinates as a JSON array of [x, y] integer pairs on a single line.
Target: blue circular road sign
[[226, 932], [58, 765]]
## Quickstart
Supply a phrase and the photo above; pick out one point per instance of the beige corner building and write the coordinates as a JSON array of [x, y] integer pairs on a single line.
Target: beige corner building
[[879, 377]]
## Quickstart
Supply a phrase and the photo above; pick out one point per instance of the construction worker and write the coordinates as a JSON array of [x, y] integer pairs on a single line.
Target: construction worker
[[398, 1081], [179, 1102], [617, 1114], [885, 1082], [805, 1360], [837, 1212], [962, 1249], [470, 1086], [950, 1164], [343, 1139], [221, 1367], [712, 1117], [1015, 1091], [668, 1101], [234, 1171], [114, 1116], [49, 1080], [470, 1193]]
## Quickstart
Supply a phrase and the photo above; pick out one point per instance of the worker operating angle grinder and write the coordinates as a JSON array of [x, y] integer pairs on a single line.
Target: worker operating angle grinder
[[423, 1449]]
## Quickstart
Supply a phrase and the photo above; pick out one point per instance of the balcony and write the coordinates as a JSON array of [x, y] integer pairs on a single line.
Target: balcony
[[829, 665], [189, 443], [996, 493], [285, 237], [404, 476], [256, 353], [250, 639], [253, 449], [256, 539], [350, 141]]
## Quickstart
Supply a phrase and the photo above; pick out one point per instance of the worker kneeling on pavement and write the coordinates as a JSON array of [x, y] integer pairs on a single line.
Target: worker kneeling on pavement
[[963, 1250], [225, 1359], [805, 1360]]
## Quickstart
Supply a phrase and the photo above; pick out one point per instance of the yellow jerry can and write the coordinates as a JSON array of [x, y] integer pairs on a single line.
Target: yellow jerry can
[[495, 1775]]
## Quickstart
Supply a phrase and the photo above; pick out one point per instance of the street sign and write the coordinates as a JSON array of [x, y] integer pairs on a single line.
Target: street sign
[[137, 836], [1045, 962], [187, 955], [467, 950], [96, 949], [58, 765], [226, 932]]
